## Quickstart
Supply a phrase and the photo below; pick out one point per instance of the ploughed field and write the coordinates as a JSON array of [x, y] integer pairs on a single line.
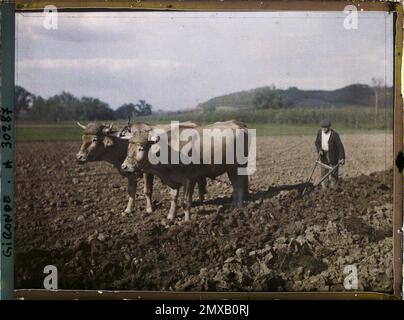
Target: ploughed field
[[70, 216]]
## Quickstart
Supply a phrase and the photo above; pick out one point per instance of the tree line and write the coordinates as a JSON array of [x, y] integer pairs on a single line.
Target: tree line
[[67, 107], [353, 117]]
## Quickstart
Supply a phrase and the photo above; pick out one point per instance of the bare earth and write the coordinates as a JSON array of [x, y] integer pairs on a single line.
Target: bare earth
[[70, 216]]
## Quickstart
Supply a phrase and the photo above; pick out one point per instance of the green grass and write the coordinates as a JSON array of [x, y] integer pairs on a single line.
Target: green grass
[[43, 133], [268, 122], [70, 132], [299, 130]]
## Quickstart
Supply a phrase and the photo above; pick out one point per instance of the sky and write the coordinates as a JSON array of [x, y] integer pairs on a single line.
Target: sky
[[175, 60]]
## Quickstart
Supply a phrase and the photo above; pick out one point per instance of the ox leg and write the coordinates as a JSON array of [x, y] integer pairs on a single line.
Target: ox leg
[[202, 189], [239, 187], [132, 185], [244, 183], [174, 200], [148, 191], [188, 190]]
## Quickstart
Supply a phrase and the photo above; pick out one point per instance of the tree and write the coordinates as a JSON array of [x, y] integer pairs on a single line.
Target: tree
[[23, 101], [268, 98], [127, 110], [130, 110], [39, 110], [95, 109], [209, 108], [66, 106], [143, 108]]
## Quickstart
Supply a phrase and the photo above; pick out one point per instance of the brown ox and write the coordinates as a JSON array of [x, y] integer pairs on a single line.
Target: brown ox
[[101, 143], [176, 174]]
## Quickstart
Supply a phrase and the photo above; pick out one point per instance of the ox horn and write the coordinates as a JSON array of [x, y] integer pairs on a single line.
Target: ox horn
[[80, 125], [108, 129], [125, 130], [126, 134]]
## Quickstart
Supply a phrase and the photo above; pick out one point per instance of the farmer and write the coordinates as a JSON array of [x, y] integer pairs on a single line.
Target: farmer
[[331, 152]]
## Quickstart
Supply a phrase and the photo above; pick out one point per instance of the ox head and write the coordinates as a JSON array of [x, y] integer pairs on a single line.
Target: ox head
[[138, 149], [96, 139]]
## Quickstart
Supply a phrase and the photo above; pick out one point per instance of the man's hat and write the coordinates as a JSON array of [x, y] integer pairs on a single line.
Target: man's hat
[[325, 123]]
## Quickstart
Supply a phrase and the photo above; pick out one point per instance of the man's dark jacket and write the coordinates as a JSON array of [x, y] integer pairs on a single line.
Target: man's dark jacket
[[336, 150]]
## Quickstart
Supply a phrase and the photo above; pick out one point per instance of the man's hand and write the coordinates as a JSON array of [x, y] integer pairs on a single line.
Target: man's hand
[[342, 162], [321, 152]]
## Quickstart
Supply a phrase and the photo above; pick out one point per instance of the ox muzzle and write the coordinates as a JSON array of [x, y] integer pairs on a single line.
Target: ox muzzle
[[128, 167], [81, 157]]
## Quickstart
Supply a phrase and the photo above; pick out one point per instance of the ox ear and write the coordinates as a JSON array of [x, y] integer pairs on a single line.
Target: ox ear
[[108, 142], [154, 139]]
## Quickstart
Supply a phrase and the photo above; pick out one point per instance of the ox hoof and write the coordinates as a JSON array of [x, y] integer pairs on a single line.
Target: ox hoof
[[172, 213], [149, 210], [125, 213], [184, 221]]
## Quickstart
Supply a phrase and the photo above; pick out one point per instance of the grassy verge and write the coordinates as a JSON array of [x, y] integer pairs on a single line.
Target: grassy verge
[[40, 133], [71, 132]]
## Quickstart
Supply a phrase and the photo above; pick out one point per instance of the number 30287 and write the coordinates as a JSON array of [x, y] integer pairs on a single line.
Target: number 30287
[[6, 128]]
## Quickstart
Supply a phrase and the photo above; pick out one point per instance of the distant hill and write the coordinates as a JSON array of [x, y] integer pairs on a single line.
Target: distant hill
[[355, 94]]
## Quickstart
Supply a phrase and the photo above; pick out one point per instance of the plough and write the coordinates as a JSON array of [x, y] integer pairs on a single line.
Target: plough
[[309, 185], [304, 187]]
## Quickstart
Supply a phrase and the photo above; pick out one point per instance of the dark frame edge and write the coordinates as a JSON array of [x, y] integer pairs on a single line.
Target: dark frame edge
[[391, 6], [40, 294], [205, 5], [7, 151], [398, 147]]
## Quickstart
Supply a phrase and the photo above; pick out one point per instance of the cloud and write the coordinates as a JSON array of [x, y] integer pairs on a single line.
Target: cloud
[[175, 59], [73, 27], [109, 64]]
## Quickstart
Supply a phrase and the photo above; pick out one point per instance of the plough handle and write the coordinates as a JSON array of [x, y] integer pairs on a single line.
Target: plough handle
[[311, 175], [327, 175], [314, 168]]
